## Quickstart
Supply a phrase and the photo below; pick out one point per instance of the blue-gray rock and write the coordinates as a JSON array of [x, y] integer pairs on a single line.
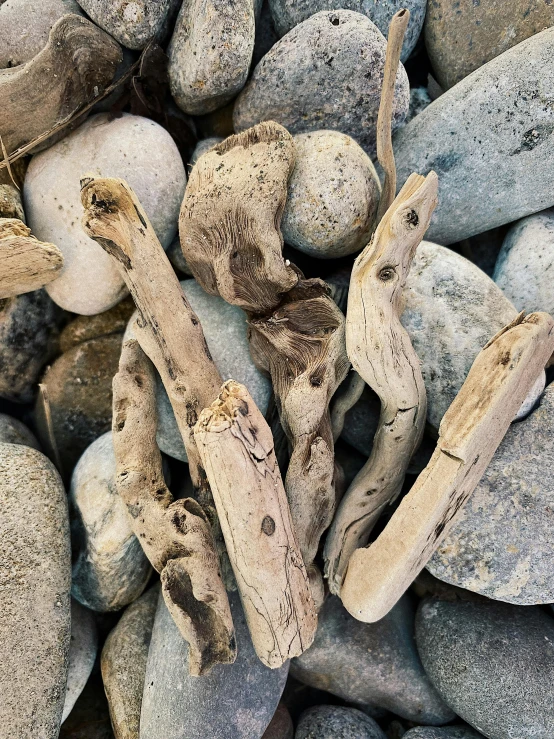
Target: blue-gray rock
[[443, 732], [337, 722], [35, 580], [13, 431], [131, 22], [525, 266], [234, 701], [324, 74], [375, 664], [82, 654], [110, 568], [489, 140], [289, 13], [492, 663]]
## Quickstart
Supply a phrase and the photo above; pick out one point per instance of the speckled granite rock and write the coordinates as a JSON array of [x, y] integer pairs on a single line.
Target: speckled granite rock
[[110, 568], [419, 100], [82, 653], [12, 431], [324, 74], [235, 700], [289, 13], [492, 663], [462, 36], [131, 22], [333, 196], [444, 732], [489, 141], [375, 664], [525, 264], [124, 664], [337, 722], [210, 53], [35, 579]]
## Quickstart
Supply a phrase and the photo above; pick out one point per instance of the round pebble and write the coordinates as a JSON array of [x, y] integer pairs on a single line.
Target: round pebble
[[336, 722]]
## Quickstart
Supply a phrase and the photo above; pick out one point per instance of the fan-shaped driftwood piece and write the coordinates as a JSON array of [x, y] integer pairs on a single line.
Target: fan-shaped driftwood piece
[[25, 262], [381, 352], [471, 430], [74, 67], [175, 534], [236, 447]]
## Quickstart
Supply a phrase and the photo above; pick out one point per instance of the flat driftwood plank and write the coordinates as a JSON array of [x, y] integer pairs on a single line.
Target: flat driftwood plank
[[236, 447], [471, 430]]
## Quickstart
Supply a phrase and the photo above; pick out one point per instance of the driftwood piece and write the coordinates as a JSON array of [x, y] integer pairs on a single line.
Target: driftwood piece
[[470, 432], [25, 262], [236, 447], [381, 352], [74, 67], [175, 534]]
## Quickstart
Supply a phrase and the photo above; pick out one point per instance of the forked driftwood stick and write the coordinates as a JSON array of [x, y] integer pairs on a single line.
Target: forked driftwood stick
[[175, 534], [236, 447], [471, 430], [381, 352], [25, 262]]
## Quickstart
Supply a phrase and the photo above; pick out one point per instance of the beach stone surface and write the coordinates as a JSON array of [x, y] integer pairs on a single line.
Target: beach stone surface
[[83, 328], [492, 663], [110, 569], [203, 146], [82, 654], [487, 179], [13, 431], [324, 74], [280, 726], [266, 35], [525, 265], [443, 732], [236, 700], [289, 13], [131, 22], [372, 664], [337, 722], [90, 718], [333, 196], [462, 36], [123, 663], [210, 53], [129, 147], [35, 580]]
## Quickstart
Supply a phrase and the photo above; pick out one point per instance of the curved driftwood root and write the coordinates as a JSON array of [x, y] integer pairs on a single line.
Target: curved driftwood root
[[175, 534]]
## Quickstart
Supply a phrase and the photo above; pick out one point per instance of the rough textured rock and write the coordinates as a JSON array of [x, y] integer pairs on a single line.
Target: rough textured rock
[[324, 74], [224, 327], [337, 722], [462, 36], [25, 25], [28, 339], [35, 579], [82, 654], [124, 664], [525, 264], [79, 386], [501, 545], [131, 22], [210, 53], [131, 147], [235, 700], [333, 195], [83, 328], [12, 431], [493, 664], [375, 664], [444, 732], [280, 726], [489, 141], [110, 568], [289, 13]]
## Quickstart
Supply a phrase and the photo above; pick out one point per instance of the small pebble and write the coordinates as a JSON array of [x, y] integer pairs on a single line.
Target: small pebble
[[336, 722], [281, 726], [13, 431], [82, 654]]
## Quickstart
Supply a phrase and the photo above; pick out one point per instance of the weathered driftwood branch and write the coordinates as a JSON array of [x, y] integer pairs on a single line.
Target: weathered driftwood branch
[[175, 534], [25, 262], [381, 352], [236, 447], [74, 67], [470, 432]]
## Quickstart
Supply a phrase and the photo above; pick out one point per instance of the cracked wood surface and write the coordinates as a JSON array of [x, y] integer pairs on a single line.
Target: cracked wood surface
[[471, 430]]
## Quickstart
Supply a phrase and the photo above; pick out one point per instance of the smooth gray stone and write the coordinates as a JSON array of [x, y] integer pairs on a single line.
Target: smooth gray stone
[[488, 139], [25, 26], [13, 431], [233, 702], [337, 722], [375, 664], [131, 22], [35, 580], [324, 74], [210, 53], [525, 266], [289, 13], [224, 327], [492, 663], [444, 732], [82, 654], [203, 146]]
